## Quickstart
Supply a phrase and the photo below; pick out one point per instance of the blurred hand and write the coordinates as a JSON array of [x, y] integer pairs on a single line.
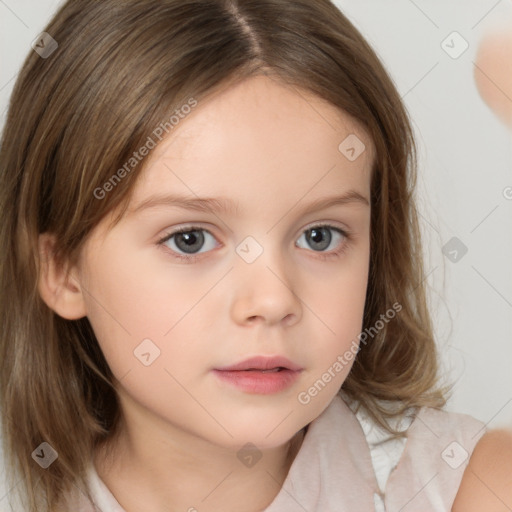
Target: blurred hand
[[493, 72]]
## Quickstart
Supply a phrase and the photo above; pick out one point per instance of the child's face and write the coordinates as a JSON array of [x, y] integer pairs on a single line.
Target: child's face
[[273, 152]]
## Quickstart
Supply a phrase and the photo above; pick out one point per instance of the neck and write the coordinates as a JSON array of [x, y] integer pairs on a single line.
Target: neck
[[191, 474]]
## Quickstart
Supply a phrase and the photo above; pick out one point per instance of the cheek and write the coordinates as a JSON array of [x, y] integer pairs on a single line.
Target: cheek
[[332, 322], [343, 295], [342, 313], [138, 307], [120, 306]]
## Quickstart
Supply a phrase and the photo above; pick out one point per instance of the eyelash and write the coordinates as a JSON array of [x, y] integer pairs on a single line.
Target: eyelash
[[191, 258]]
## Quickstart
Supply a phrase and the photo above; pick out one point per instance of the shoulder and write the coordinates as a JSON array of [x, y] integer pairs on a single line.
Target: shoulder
[[487, 481]]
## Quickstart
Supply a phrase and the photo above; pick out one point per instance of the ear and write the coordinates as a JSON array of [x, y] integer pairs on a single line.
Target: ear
[[58, 288]]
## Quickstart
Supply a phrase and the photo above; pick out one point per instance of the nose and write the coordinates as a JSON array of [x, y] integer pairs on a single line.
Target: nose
[[265, 292]]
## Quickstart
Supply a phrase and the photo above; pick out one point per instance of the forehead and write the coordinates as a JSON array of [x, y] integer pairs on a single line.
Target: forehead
[[260, 137]]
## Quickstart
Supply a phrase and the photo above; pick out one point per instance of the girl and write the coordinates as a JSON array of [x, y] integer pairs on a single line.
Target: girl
[[213, 296]]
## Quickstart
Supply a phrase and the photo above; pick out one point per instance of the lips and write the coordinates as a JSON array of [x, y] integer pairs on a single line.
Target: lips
[[263, 364], [260, 375]]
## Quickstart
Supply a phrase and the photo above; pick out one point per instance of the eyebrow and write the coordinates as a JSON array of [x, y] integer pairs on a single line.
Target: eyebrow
[[224, 205]]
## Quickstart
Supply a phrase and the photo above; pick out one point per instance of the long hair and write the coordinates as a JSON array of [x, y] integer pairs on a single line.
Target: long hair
[[106, 75]]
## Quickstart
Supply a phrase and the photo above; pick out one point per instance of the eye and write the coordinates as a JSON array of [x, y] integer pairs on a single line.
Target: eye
[[320, 238], [188, 240]]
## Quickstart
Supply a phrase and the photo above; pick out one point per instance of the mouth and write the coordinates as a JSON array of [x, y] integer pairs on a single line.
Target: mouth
[[263, 364], [260, 375]]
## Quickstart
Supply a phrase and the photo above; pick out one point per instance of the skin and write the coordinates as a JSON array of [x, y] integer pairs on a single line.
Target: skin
[[274, 150], [487, 481], [493, 72]]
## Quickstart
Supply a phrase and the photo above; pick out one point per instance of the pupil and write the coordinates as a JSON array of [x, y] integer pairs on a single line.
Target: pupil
[[188, 238], [191, 239], [317, 235]]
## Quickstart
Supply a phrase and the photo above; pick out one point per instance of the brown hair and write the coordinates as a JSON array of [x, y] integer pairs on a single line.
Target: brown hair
[[76, 116]]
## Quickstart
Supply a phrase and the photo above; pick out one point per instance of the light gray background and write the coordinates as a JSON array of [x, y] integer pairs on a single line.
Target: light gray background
[[465, 165]]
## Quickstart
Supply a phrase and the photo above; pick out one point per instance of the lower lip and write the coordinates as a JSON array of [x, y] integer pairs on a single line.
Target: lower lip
[[253, 381]]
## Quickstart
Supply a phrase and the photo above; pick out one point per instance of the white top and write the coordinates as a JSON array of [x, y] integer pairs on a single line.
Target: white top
[[385, 450], [371, 473]]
